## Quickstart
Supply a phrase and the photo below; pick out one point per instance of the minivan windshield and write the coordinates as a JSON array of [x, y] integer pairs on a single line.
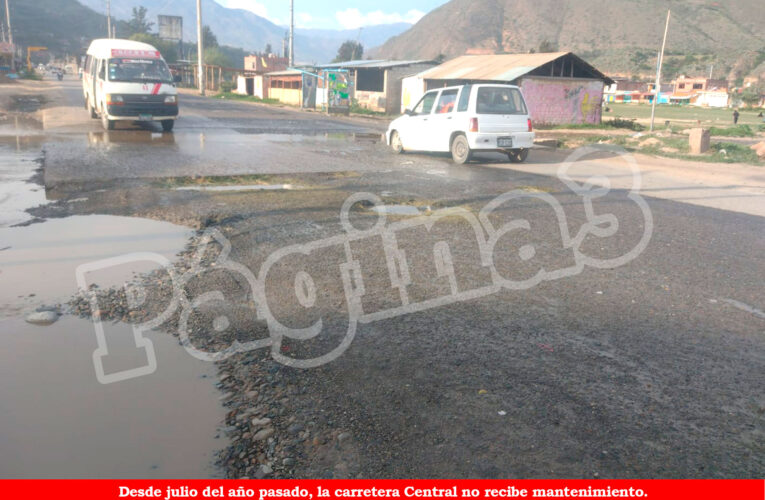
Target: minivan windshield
[[500, 101], [123, 69]]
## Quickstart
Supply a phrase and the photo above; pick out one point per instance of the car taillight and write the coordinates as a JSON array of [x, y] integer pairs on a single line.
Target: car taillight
[[531, 129], [473, 125]]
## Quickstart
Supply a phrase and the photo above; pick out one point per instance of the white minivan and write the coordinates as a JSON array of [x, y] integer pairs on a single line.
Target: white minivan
[[466, 119], [124, 80]]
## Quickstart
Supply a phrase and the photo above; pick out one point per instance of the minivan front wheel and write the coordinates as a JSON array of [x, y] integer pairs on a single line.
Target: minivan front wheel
[[460, 149], [106, 122]]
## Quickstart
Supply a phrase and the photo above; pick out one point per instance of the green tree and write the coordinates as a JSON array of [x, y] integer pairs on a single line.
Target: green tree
[[169, 50], [210, 40], [269, 50], [350, 50], [751, 96], [139, 23], [547, 46], [215, 57]]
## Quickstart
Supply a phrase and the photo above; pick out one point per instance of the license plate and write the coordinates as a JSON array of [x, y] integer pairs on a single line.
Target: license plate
[[144, 118], [505, 142]]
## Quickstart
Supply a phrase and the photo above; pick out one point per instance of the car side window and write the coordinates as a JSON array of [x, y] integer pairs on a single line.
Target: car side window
[[425, 106], [464, 98], [447, 101]]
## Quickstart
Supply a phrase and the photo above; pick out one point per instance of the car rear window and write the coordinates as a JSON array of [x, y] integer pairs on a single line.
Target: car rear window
[[500, 101]]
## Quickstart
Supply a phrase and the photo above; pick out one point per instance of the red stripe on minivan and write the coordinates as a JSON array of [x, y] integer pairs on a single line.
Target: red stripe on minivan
[[155, 90]]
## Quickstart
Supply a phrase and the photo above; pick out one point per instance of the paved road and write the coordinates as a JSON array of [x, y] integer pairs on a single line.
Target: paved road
[[647, 367]]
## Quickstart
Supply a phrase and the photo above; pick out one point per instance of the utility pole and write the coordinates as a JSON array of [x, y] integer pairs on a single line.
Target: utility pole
[[658, 72], [108, 18], [292, 33], [200, 49], [10, 35], [711, 69]]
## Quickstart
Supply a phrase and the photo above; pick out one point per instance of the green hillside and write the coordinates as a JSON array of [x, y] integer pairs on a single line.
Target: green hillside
[[64, 26]]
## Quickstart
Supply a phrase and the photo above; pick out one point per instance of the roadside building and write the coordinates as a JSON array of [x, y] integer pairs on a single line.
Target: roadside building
[[6, 56], [265, 63], [559, 87], [250, 85], [285, 86], [376, 85], [700, 91], [252, 81]]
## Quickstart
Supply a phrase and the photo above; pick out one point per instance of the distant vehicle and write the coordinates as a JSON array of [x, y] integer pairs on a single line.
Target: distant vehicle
[[124, 80], [466, 119]]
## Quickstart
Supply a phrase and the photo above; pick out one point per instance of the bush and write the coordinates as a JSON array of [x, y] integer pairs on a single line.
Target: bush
[[226, 87], [737, 131], [730, 152]]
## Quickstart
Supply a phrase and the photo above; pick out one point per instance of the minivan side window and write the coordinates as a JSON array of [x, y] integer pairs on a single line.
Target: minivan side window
[[464, 98], [102, 70], [86, 64], [426, 103], [500, 101], [447, 101]]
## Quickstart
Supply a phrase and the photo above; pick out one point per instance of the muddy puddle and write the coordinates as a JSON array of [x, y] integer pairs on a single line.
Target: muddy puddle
[[26, 103], [18, 191], [56, 419]]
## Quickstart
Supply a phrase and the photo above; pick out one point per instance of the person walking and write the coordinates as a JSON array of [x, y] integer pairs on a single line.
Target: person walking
[[735, 116]]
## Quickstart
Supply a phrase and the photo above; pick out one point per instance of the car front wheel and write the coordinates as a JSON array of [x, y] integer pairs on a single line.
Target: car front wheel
[[395, 143], [460, 150]]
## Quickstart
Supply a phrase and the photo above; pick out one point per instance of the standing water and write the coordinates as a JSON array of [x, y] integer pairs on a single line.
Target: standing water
[[56, 419]]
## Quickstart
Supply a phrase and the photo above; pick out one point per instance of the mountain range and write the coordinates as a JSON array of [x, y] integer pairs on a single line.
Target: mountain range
[[242, 28], [615, 35]]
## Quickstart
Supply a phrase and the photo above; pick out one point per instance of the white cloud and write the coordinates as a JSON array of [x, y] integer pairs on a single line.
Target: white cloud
[[353, 18], [252, 5], [303, 19]]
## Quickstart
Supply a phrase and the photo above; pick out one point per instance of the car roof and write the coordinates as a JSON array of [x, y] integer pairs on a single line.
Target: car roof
[[487, 84], [102, 47]]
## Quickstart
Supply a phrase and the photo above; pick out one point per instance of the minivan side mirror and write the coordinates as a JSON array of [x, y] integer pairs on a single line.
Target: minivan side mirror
[[177, 78], [408, 112]]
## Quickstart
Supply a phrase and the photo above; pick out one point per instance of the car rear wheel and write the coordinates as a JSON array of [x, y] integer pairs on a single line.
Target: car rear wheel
[[167, 125], [460, 150], [395, 143], [518, 155]]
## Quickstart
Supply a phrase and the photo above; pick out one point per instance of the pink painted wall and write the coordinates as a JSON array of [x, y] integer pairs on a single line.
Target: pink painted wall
[[555, 101]]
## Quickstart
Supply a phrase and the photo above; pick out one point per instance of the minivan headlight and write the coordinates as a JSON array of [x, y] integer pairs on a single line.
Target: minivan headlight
[[171, 99], [114, 99]]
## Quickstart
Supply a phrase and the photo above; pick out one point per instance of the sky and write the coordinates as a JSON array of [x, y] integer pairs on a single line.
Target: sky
[[337, 14]]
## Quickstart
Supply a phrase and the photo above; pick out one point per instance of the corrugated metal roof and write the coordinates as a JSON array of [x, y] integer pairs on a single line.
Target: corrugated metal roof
[[289, 72], [497, 67], [378, 63]]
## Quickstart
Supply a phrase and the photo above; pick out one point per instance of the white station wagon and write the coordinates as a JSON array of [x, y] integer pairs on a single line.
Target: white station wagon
[[466, 119]]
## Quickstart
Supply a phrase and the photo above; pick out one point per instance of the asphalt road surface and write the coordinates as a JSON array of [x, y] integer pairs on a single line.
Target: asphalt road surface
[[562, 330]]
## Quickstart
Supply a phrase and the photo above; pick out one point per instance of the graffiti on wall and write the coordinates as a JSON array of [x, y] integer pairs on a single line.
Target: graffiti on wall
[[338, 91], [554, 101]]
